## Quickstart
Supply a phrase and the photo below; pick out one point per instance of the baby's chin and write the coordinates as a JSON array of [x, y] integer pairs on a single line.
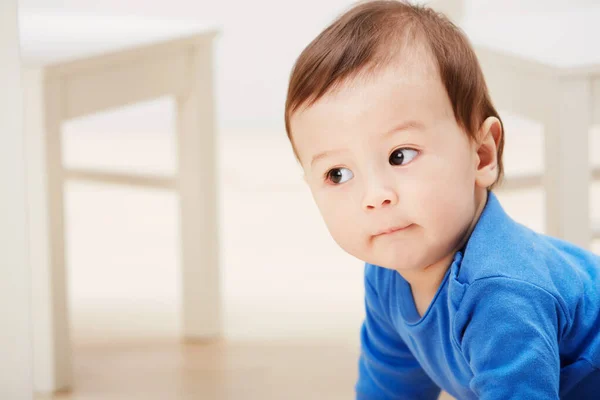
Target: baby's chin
[[397, 260], [382, 256]]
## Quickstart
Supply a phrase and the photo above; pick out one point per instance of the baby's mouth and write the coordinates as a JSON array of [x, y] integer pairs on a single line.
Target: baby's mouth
[[392, 230]]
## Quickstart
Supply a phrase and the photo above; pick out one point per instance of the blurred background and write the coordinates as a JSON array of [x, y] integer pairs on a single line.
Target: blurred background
[[293, 301]]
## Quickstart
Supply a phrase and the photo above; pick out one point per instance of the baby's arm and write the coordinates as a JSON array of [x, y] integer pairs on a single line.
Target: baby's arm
[[508, 331], [387, 368]]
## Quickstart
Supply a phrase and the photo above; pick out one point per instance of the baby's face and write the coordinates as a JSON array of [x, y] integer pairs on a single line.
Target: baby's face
[[391, 171]]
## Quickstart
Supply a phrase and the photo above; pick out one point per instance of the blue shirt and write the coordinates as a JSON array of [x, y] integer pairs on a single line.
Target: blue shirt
[[517, 316]]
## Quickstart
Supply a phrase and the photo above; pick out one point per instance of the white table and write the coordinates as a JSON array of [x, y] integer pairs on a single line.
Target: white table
[[76, 65], [546, 67]]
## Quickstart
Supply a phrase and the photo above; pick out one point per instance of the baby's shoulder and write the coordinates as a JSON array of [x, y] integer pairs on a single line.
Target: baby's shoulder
[[530, 257], [534, 269]]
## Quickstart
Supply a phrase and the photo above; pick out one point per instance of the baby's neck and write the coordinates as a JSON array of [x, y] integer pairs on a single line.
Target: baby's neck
[[425, 282]]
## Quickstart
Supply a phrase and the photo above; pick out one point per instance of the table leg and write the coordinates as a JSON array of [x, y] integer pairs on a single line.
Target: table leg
[[197, 185], [15, 310], [51, 336]]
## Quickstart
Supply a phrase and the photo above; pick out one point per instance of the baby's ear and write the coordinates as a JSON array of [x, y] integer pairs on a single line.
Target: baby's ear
[[488, 139]]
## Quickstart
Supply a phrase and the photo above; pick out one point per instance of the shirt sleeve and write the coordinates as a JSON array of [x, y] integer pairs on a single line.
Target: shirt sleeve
[[387, 368], [509, 333]]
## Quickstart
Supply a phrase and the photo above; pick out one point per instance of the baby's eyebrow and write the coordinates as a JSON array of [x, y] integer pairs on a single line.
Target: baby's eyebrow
[[324, 154], [404, 126]]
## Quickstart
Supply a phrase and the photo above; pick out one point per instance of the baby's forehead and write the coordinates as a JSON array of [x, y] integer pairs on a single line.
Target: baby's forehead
[[367, 111]]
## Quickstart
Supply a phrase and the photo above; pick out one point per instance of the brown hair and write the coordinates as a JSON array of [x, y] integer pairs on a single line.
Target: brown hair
[[369, 36]]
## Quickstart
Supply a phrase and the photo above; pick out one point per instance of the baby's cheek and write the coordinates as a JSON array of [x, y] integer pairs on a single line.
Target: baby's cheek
[[347, 241], [335, 219], [436, 200], [345, 231], [445, 212]]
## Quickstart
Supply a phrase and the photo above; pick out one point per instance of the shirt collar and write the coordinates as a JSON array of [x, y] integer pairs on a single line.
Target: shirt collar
[[496, 240]]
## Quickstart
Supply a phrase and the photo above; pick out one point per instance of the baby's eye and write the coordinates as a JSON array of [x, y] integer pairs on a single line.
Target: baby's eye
[[402, 156], [339, 175]]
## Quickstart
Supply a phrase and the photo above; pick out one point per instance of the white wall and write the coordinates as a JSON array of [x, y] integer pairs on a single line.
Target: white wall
[[15, 340]]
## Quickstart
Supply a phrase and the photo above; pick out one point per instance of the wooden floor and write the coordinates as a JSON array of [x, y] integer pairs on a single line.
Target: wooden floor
[[212, 371], [216, 370]]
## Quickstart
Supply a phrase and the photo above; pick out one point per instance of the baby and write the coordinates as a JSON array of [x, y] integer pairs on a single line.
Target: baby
[[389, 116]]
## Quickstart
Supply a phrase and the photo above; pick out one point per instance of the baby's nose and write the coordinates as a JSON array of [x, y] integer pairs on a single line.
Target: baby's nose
[[379, 197]]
